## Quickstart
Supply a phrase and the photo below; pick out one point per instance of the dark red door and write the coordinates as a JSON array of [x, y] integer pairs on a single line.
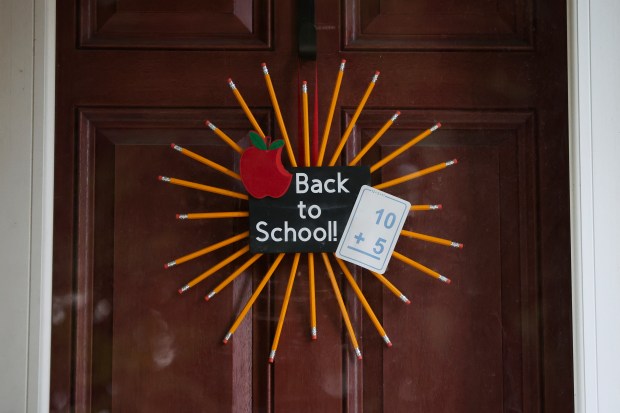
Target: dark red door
[[134, 76]]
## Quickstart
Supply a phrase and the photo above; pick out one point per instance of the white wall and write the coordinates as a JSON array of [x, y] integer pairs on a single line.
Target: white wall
[[26, 171], [26, 159]]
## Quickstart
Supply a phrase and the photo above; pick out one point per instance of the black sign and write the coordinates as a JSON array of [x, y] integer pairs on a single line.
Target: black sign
[[311, 215]]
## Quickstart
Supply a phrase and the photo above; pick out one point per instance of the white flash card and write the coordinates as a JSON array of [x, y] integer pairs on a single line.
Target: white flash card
[[373, 229]]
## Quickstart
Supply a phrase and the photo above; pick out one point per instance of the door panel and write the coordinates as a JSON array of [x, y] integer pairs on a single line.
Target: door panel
[[135, 76]]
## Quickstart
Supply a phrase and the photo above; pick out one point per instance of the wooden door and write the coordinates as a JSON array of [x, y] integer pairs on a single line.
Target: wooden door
[[134, 76]]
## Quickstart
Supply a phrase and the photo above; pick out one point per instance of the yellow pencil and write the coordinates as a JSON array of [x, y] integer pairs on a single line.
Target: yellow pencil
[[276, 108], [287, 296], [205, 161], [208, 249], [356, 115], [403, 148], [364, 302], [330, 114], [213, 269], [232, 276], [214, 215], [375, 138], [201, 187], [304, 93], [391, 287], [227, 139], [420, 267], [343, 308], [245, 108], [255, 295], [430, 238], [425, 207], [312, 296], [416, 174]]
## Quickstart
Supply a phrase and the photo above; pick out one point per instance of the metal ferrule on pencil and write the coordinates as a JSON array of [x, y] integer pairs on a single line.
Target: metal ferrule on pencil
[[232, 84], [182, 216], [404, 299], [387, 341], [445, 279], [211, 125], [183, 289], [358, 353], [170, 264], [435, 127], [375, 77], [342, 65], [395, 116], [265, 70]]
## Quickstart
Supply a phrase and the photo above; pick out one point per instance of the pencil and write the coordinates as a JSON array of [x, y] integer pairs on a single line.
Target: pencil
[[391, 287], [255, 295], [415, 175], [214, 215], [425, 207], [287, 296], [420, 267], [304, 93], [201, 187], [207, 250], [245, 108], [232, 276], [375, 138], [213, 269], [205, 161], [343, 308], [356, 115], [227, 139], [430, 238], [276, 108], [360, 296], [403, 148], [312, 296], [330, 113]]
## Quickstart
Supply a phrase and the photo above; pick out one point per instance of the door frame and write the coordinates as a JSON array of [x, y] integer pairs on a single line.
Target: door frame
[[593, 168]]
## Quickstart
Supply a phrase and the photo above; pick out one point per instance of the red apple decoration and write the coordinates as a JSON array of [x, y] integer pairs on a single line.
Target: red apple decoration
[[261, 169]]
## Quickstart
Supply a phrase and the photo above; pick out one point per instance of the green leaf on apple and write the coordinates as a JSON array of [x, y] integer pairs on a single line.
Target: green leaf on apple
[[276, 144], [257, 141]]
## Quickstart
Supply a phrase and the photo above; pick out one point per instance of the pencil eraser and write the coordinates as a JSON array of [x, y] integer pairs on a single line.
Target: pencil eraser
[[166, 266], [225, 341], [180, 290], [388, 344], [455, 161], [314, 337], [207, 298], [271, 359], [438, 124], [359, 357], [343, 61], [440, 206], [449, 281], [461, 246], [159, 178], [229, 80], [407, 302], [263, 64], [377, 73], [398, 112], [207, 122]]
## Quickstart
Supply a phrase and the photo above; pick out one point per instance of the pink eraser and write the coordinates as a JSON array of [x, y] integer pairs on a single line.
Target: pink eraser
[[439, 124], [343, 61], [377, 73], [180, 290], [271, 359], [389, 344], [440, 206], [225, 341], [159, 178]]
